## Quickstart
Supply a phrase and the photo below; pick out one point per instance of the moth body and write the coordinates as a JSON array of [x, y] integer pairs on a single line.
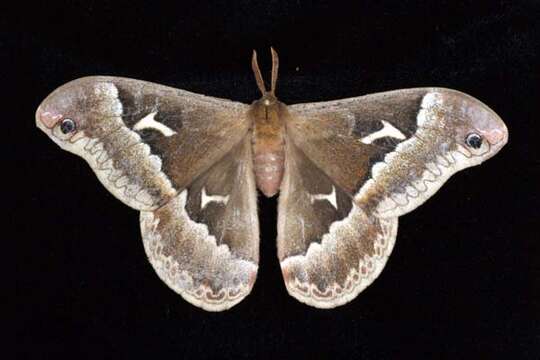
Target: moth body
[[268, 143]]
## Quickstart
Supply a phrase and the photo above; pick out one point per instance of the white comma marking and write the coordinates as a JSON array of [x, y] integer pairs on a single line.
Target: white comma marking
[[205, 198], [387, 130], [148, 122], [331, 198]]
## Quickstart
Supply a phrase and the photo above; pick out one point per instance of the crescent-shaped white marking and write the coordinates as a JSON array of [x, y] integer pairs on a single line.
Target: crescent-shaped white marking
[[205, 198], [331, 198], [387, 131], [148, 122]]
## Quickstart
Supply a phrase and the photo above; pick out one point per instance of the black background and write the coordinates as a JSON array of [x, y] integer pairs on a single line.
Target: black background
[[463, 279]]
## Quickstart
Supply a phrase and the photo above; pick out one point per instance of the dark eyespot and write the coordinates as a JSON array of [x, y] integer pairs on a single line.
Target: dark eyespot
[[67, 126], [474, 140]]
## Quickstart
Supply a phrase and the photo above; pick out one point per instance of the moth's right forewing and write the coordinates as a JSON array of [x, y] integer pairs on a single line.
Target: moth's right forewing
[[146, 142]]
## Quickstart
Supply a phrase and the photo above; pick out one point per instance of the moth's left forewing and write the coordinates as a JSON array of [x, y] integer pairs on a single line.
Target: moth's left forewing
[[392, 151]]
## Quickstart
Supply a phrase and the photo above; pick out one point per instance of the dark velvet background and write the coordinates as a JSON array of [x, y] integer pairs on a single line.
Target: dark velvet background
[[463, 279]]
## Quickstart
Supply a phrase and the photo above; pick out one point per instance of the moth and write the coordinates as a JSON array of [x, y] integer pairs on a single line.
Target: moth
[[345, 170]]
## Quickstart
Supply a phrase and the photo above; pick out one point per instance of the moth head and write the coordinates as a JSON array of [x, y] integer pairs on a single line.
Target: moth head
[[268, 100], [78, 109], [477, 129]]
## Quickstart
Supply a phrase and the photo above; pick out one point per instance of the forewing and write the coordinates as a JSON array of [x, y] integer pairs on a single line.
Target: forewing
[[390, 151], [204, 243], [146, 142]]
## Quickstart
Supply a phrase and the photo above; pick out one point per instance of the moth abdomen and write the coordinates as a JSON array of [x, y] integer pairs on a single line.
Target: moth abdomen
[[268, 168]]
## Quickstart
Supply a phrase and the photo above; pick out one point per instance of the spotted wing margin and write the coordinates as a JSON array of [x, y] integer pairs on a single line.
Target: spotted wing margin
[[390, 151], [329, 248], [204, 243], [146, 142]]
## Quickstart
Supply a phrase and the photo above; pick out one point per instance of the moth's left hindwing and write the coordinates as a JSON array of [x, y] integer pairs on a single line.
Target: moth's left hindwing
[[329, 247], [185, 161]]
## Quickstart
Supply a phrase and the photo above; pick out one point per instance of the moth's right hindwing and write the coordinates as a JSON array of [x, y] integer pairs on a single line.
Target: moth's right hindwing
[[204, 243]]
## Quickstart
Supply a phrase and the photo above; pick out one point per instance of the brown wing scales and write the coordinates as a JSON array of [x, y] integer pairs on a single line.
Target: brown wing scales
[[204, 244]]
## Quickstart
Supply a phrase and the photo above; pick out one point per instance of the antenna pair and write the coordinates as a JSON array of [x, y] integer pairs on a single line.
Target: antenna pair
[[258, 75]]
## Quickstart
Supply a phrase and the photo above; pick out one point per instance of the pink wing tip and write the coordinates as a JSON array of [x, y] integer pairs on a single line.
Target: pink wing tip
[[47, 118], [495, 136]]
